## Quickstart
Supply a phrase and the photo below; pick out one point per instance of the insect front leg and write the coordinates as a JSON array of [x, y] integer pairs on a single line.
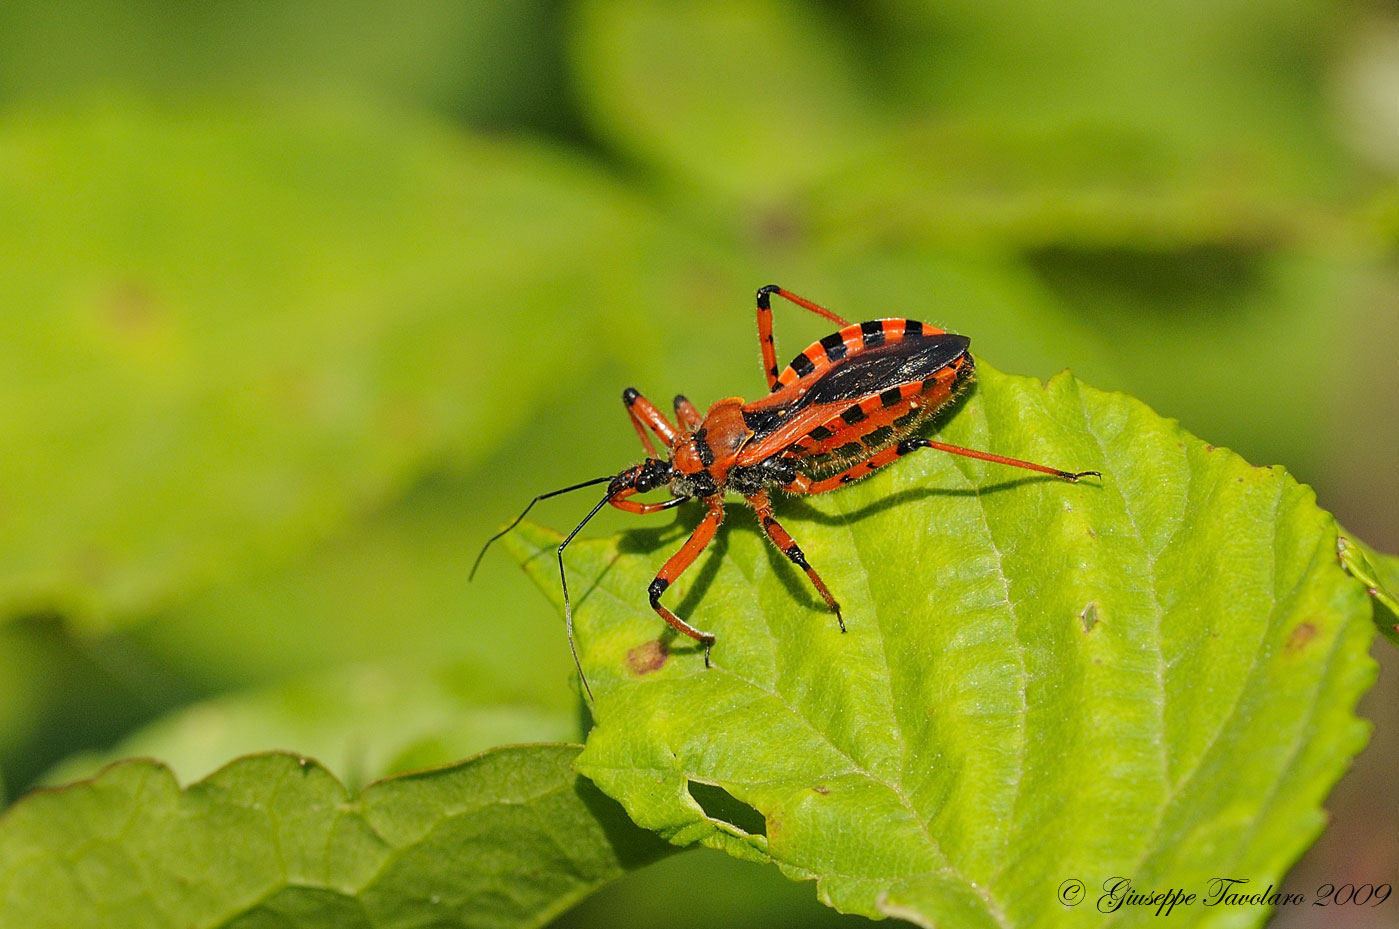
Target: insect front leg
[[621, 502], [644, 415], [763, 507], [686, 414], [699, 539]]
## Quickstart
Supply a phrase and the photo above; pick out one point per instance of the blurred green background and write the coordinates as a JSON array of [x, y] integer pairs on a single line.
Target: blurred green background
[[300, 301]]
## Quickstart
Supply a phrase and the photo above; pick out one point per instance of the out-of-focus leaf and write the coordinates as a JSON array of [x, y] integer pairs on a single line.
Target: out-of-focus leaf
[[508, 839], [1180, 281], [704, 888], [363, 723], [749, 99], [957, 185], [393, 587], [1189, 326], [462, 58], [1220, 82], [223, 332], [61, 693], [1152, 675]]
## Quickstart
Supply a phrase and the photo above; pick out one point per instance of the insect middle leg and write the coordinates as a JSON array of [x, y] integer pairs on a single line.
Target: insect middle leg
[[699, 539], [763, 507], [765, 341], [644, 414]]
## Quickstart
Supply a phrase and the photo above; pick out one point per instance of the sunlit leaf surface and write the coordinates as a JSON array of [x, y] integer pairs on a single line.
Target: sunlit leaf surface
[[1152, 674]]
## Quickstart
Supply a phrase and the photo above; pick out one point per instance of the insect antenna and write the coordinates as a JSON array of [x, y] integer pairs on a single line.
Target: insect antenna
[[553, 493], [563, 579]]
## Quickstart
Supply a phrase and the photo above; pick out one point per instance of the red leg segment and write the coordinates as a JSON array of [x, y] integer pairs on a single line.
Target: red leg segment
[[644, 415], [765, 340], [699, 539], [620, 501], [686, 414]]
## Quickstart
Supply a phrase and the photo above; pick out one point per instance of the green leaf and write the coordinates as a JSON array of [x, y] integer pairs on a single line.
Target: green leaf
[[1181, 283], [510, 838], [1204, 80], [62, 693], [1380, 575], [1149, 675], [363, 723], [226, 332]]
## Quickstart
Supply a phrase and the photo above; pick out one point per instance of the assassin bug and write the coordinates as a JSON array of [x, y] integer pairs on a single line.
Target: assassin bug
[[845, 407]]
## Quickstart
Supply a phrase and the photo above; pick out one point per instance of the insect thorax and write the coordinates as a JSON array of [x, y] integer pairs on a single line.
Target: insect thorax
[[693, 484]]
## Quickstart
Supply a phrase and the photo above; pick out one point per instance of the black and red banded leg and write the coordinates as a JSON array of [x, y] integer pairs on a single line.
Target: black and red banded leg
[[698, 541], [763, 507], [644, 415], [804, 485], [765, 339]]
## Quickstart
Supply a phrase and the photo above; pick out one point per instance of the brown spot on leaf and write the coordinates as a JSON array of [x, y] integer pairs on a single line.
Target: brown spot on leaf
[[1300, 635], [821, 789], [648, 657]]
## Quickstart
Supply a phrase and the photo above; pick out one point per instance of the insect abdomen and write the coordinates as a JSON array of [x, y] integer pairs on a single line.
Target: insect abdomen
[[880, 420]]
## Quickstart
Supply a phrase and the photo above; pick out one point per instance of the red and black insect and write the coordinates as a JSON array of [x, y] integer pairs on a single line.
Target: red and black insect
[[845, 407]]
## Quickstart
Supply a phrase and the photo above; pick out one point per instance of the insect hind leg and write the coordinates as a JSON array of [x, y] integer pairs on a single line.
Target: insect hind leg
[[765, 340]]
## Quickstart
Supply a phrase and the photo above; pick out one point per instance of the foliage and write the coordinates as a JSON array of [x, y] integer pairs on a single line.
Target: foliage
[[302, 301], [1152, 676], [510, 838]]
